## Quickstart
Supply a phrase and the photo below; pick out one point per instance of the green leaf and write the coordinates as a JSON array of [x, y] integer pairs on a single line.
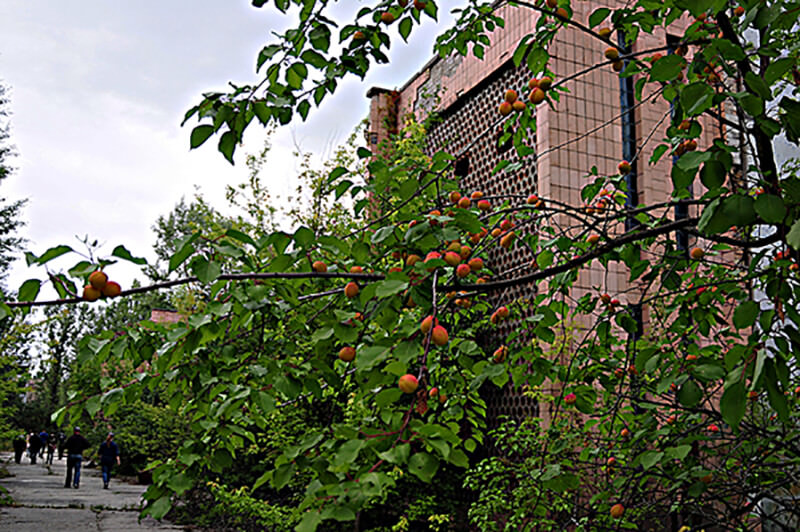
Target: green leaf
[[348, 452], [690, 394], [790, 118], [667, 68], [709, 372], [769, 126], [728, 50], [759, 367], [397, 455], [382, 234], [303, 108], [658, 152], [757, 85], [537, 59], [370, 356], [180, 483], [304, 237], [241, 237], [793, 237], [57, 417], [206, 270], [713, 220], [390, 287], [296, 74], [227, 145], [267, 53], [53, 253], [598, 16], [752, 104], [770, 208], [336, 173], [222, 458], [423, 466], [733, 404], [692, 160], [262, 112], [314, 59], [185, 249], [712, 175], [160, 508], [459, 458], [387, 396], [309, 522], [650, 458], [767, 15], [405, 28], [320, 37], [682, 179], [678, 453], [93, 405], [745, 314], [776, 397], [29, 290], [199, 135], [696, 98], [283, 475], [521, 50], [30, 258], [739, 209], [123, 253], [339, 513]]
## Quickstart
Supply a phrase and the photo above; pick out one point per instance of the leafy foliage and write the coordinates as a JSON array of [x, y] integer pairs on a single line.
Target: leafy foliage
[[10, 212], [690, 415]]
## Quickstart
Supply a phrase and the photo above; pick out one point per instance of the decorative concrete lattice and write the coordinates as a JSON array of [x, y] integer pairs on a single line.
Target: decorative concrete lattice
[[471, 116]]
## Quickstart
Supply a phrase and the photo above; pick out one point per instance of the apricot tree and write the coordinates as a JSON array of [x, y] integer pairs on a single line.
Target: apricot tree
[[689, 417]]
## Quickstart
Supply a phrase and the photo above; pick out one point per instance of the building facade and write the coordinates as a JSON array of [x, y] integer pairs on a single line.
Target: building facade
[[597, 123]]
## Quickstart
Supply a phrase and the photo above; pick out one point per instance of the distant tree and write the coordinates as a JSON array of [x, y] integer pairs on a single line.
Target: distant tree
[[15, 357], [14, 331], [10, 212], [171, 230]]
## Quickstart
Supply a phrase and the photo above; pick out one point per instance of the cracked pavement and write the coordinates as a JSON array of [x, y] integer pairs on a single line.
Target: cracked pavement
[[43, 504]]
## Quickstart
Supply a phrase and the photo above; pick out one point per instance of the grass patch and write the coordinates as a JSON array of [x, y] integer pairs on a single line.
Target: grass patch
[[5, 497]]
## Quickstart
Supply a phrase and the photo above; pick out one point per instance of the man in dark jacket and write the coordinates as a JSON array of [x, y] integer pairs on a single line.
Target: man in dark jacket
[[19, 447], [75, 445], [109, 455], [34, 446]]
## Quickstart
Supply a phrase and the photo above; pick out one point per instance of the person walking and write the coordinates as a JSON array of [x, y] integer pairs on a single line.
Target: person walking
[[51, 449], [75, 445], [19, 447], [34, 446], [61, 439], [109, 455], [43, 437]]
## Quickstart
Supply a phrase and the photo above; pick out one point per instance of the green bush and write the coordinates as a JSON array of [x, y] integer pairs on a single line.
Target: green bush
[[234, 508], [144, 432]]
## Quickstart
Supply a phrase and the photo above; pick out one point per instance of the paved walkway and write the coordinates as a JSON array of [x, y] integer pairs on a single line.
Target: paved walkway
[[43, 504]]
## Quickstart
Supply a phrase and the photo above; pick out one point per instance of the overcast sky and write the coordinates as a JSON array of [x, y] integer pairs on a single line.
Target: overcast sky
[[98, 91]]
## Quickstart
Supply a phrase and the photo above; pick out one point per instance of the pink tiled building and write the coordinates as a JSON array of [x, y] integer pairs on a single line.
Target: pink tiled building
[[597, 123]]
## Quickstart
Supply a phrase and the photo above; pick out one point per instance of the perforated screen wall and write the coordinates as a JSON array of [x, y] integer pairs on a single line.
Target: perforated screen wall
[[473, 117]]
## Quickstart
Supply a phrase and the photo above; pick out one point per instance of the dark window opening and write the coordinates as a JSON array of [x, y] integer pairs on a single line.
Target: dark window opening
[[461, 168]]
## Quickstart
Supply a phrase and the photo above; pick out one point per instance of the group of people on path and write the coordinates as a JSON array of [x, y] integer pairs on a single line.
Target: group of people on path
[[74, 446], [42, 445]]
